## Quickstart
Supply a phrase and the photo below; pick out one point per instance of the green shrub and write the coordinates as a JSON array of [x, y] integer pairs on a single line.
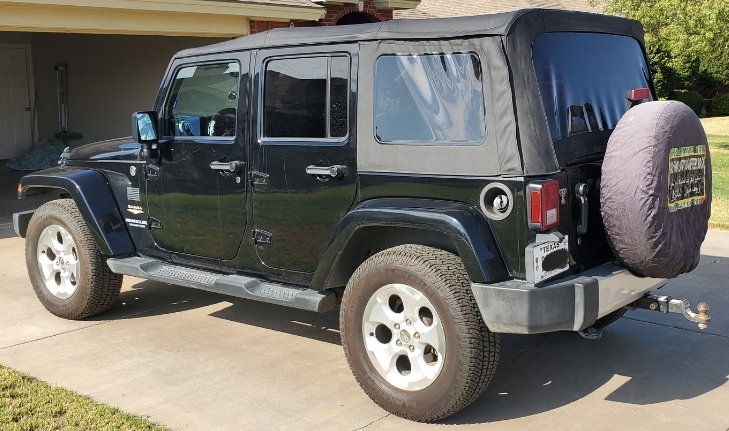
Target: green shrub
[[690, 98], [720, 104]]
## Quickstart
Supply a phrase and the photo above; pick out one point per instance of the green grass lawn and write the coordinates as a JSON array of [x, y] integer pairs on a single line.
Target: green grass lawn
[[29, 405], [717, 129]]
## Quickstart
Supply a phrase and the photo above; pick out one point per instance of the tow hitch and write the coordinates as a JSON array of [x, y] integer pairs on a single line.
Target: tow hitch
[[666, 304]]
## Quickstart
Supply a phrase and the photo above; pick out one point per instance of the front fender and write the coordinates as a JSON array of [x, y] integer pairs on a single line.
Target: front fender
[[464, 225], [94, 199]]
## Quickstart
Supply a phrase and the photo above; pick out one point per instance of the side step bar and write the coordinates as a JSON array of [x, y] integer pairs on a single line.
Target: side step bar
[[233, 285]]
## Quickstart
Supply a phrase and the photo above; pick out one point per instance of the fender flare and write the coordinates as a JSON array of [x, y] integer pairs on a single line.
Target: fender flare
[[469, 231], [92, 194]]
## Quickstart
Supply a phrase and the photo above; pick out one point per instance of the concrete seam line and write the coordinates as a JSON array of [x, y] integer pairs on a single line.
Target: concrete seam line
[[101, 323], [377, 420], [524, 351], [707, 264], [51, 336], [677, 327]]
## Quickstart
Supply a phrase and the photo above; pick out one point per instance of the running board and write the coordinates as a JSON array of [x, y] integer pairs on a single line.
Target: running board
[[233, 285]]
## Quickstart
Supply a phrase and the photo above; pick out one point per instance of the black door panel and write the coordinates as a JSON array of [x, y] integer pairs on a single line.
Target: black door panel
[[198, 208], [306, 104]]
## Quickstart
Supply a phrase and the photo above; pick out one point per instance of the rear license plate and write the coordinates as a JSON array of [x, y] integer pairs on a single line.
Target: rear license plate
[[550, 259]]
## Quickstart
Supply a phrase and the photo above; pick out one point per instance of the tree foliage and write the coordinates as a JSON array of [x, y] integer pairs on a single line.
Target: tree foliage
[[687, 41]]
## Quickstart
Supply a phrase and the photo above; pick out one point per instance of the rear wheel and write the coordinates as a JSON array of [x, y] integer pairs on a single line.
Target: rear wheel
[[68, 272], [413, 334]]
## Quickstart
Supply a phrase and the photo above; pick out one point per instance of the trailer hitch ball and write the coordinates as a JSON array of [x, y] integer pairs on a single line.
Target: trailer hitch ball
[[667, 304], [703, 309]]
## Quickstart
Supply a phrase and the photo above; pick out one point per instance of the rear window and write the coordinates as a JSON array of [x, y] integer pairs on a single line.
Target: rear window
[[583, 79], [429, 99]]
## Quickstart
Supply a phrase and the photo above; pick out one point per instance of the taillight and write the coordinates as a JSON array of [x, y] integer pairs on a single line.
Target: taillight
[[638, 94], [543, 204]]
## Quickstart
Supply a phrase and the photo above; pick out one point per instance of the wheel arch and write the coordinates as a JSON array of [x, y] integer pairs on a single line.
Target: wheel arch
[[93, 196], [380, 224]]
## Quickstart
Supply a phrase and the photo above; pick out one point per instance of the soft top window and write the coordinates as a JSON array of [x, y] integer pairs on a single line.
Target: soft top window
[[429, 99], [584, 78]]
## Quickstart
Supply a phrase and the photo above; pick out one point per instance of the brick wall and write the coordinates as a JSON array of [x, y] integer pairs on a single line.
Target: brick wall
[[334, 13]]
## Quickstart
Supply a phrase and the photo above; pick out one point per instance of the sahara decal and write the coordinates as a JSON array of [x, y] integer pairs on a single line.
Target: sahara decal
[[135, 209]]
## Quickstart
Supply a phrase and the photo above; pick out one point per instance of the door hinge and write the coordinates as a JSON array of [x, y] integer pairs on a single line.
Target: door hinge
[[152, 172], [155, 223], [259, 179], [261, 237]]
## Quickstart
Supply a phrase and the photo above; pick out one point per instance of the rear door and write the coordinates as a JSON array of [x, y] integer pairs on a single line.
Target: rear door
[[304, 157], [584, 78]]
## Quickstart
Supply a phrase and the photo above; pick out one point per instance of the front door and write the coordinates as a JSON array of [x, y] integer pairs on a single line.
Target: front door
[[200, 166], [304, 160], [15, 128]]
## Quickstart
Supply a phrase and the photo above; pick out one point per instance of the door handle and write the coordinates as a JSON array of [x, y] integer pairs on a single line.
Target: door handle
[[581, 190], [235, 166], [336, 171]]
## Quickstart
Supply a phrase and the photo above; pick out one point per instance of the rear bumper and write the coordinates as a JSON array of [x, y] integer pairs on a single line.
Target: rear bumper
[[568, 304]]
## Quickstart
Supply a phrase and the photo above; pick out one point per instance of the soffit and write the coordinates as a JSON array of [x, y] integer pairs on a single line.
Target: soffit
[[151, 17]]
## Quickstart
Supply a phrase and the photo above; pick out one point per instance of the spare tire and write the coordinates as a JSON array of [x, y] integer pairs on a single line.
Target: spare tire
[[655, 192]]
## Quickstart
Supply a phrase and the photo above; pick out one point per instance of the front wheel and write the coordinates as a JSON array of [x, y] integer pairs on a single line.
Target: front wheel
[[413, 335], [68, 272]]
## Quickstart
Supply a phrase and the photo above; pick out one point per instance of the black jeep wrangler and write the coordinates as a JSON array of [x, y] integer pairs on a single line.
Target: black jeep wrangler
[[443, 180]]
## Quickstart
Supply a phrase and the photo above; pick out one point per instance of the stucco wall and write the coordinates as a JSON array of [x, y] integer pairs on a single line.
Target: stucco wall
[[109, 77]]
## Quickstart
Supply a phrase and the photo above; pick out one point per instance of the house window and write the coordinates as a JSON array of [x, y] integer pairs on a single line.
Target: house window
[[429, 99], [203, 101], [306, 98]]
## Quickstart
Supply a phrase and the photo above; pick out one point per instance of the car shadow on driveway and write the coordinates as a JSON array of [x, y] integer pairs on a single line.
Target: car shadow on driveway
[[635, 362], [151, 298]]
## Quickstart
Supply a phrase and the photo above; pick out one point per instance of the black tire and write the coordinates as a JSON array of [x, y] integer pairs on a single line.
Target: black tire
[[655, 191], [97, 288], [472, 351], [609, 319]]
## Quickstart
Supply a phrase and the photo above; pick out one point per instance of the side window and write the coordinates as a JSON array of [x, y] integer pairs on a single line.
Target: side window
[[306, 98], [203, 101], [429, 99]]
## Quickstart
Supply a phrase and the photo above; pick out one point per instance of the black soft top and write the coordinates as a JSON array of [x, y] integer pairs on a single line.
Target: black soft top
[[518, 139], [502, 24]]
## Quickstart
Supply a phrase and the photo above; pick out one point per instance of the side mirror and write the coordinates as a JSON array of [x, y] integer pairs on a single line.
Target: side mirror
[[144, 127]]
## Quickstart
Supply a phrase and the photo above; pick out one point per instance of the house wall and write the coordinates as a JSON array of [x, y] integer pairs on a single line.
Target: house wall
[[334, 13], [338, 11], [12, 37], [109, 77]]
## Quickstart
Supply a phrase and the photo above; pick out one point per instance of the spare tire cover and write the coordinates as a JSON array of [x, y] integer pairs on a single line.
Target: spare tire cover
[[655, 191]]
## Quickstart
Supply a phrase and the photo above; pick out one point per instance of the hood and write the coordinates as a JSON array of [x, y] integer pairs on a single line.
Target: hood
[[113, 149]]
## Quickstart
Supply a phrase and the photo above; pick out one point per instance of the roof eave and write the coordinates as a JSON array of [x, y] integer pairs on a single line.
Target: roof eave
[[252, 10]]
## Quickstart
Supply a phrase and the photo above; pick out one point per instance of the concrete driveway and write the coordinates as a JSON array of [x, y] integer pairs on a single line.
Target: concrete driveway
[[192, 360]]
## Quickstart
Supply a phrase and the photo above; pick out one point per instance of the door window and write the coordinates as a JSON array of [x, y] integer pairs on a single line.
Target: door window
[[306, 98], [203, 101]]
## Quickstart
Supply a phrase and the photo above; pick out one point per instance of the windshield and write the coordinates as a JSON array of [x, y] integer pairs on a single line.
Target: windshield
[[583, 79]]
